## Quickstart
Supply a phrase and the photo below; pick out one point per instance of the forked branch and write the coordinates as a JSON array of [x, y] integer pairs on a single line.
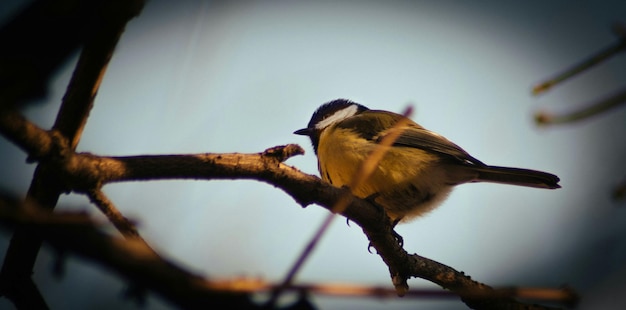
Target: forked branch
[[84, 172]]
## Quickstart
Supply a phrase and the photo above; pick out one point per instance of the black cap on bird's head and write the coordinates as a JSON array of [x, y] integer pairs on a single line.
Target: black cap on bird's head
[[327, 114]]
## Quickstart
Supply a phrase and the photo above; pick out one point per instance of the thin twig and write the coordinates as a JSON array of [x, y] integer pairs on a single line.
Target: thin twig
[[123, 225], [597, 58], [256, 285], [611, 102], [364, 171]]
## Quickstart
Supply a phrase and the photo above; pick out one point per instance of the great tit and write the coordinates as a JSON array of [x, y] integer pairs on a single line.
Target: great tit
[[418, 171]]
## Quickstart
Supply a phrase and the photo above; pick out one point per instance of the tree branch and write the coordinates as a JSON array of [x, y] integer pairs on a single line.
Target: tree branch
[[77, 233], [46, 187], [612, 101], [130, 258], [123, 225], [257, 285], [35, 141], [600, 56], [84, 172], [304, 188]]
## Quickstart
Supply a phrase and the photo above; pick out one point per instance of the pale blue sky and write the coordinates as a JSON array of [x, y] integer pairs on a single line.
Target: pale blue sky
[[197, 76]]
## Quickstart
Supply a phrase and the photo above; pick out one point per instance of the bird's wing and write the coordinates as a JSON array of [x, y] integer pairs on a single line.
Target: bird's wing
[[375, 124], [418, 137]]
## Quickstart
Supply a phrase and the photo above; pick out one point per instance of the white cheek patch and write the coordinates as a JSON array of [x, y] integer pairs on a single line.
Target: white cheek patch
[[337, 117]]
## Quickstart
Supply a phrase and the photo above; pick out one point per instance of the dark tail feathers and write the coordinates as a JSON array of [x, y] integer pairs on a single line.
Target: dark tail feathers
[[517, 176]]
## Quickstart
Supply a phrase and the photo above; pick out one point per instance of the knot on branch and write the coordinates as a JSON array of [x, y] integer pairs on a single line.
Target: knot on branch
[[51, 146], [283, 152], [75, 171], [80, 172], [60, 149]]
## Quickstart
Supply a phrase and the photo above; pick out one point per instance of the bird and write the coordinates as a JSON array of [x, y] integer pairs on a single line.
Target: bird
[[418, 171]]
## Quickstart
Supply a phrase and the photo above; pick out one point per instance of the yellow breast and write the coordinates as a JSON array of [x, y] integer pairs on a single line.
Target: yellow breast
[[340, 154], [405, 180]]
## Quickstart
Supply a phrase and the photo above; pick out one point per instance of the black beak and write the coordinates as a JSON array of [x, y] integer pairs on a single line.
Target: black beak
[[304, 131]]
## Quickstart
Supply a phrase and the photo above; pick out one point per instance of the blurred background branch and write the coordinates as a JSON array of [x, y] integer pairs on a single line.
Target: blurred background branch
[[77, 234], [603, 105], [594, 108], [130, 258], [39, 40]]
